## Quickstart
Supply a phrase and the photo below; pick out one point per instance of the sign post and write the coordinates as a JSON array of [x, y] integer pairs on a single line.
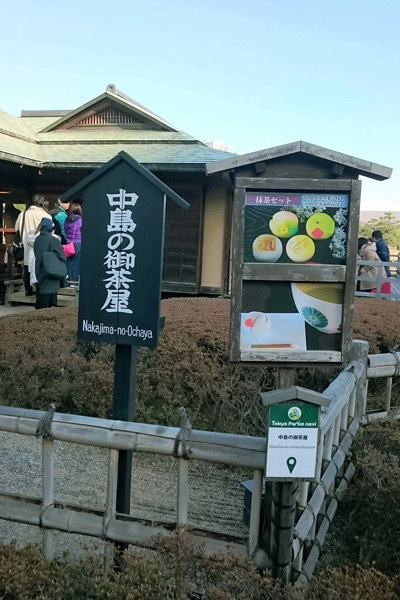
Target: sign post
[[121, 268], [293, 443], [123, 410]]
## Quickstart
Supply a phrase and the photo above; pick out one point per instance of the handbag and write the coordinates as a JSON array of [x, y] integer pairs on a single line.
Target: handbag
[[54, 266], [69, 249], [18, 247]]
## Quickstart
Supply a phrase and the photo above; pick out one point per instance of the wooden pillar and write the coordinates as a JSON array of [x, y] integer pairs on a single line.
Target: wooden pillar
[[123, 410], [359, 352]]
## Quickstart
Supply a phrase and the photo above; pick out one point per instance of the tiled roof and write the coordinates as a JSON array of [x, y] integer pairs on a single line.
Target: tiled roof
[[14, 125], [36, 124], [23, 140], [17, 150], [93, 154], [110, 134]]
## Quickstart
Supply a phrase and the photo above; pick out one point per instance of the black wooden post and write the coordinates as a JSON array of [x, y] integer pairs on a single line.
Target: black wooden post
[[123, 410]]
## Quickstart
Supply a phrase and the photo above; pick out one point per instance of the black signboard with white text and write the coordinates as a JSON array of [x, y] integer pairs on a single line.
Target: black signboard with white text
[[122, 251]]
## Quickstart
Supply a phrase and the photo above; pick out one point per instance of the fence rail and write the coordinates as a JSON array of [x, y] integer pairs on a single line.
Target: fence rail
[[288, 522], [380, 279]]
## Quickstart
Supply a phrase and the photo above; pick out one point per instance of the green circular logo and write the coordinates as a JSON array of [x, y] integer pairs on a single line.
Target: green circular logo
[[294, 413]]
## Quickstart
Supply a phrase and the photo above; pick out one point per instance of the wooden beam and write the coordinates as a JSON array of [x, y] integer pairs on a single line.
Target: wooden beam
[[285, 272]]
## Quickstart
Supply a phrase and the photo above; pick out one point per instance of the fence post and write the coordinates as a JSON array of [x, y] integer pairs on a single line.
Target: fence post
[[379, 282], [47, 493], [359, 352]]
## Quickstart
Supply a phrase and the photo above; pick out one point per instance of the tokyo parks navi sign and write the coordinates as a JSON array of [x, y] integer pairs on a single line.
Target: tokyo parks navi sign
[[122, 252], [294, 268], [293, 433]]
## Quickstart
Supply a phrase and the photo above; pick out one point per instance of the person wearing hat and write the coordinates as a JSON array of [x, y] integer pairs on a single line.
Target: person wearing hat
[[47, 287]]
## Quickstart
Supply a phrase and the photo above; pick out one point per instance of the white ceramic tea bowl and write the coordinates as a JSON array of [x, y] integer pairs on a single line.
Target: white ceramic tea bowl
[[326, 316]]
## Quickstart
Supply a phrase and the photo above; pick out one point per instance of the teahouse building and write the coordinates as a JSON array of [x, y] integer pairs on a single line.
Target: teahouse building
[[48, 152]]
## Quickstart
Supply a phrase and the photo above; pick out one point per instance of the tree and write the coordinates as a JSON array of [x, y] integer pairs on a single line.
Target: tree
[[388, 224]]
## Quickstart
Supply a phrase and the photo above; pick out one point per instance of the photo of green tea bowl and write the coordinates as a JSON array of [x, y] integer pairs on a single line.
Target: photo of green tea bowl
[[320, 304]]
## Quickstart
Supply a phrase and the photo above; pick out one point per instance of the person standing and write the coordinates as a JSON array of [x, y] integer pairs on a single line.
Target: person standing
[[59, 214], [367, 252], [10, 216], [47, 287], [382, 249], [73, 233], [26, 224]]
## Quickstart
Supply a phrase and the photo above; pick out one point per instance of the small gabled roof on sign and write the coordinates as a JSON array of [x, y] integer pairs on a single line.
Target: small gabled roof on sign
[[123, 156], [294, 392], [111, 96], [364, 167]]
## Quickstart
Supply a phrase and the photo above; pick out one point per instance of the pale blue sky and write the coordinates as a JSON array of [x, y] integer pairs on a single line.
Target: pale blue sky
[[249, 74]]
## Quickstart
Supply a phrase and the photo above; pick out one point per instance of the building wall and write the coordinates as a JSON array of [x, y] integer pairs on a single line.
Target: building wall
[[213, 238]]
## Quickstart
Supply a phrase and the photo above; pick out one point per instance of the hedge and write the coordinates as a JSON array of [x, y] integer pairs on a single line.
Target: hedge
[[42, 362]]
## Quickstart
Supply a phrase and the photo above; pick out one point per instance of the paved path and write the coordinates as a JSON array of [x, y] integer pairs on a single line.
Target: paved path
[[12, 310]]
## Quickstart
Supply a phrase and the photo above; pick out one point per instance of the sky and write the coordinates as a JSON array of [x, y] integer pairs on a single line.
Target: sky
[[251, 75]]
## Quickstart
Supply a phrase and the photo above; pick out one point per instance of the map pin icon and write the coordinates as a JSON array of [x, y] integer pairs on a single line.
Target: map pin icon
[[291, 463]]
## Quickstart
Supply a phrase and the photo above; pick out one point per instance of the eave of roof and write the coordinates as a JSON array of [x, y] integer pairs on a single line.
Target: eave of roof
[[363, 167], [124, 157]]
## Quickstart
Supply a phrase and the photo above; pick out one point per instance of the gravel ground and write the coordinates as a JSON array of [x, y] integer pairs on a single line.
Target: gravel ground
[[215, 493], [216, 496]]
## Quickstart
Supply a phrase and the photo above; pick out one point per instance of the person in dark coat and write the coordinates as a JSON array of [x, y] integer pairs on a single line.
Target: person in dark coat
[[382, 249], [46, 287]]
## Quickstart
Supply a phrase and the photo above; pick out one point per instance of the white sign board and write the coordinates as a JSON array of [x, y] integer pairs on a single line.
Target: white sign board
[[292, 441]]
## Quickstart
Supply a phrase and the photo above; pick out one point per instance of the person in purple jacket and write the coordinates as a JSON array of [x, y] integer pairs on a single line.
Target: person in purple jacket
[[73, 233]]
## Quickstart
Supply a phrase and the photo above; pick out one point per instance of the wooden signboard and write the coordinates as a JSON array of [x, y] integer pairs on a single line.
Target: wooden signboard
[[122, 251], [294, 268]]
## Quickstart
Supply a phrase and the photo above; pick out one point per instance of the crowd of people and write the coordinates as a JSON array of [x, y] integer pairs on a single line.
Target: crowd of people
[[373, 249], [58, 233]]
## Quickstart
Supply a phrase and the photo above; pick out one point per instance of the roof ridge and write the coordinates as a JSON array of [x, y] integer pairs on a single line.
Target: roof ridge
[[112, 89]]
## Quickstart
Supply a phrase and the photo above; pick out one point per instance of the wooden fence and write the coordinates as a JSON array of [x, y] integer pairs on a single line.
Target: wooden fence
[[288, 522]]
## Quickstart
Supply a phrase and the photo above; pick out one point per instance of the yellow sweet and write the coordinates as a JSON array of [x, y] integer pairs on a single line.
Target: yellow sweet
[[320, 226], [300, 248]]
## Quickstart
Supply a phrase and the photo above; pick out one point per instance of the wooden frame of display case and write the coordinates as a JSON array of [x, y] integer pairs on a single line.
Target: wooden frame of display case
[[285, 272]]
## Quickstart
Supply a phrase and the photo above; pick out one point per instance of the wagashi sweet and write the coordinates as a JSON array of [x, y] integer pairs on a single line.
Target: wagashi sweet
[[320, 226], [300, 248], [267, 248], [257, 324], [284, 224]]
